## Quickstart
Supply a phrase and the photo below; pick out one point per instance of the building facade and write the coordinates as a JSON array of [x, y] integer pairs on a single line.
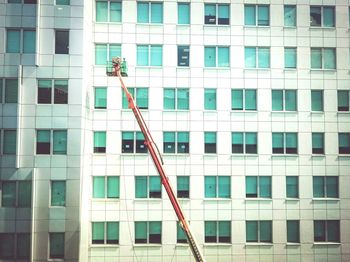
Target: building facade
[[269, 77]]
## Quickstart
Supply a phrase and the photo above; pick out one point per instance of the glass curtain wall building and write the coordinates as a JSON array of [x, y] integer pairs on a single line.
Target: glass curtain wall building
[[247, 101]]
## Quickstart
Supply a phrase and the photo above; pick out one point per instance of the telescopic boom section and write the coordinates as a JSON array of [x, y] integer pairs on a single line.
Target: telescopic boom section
[[153, 150]]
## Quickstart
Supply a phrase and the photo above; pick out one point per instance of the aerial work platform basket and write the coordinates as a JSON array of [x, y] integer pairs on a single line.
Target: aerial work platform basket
[[111, 66]]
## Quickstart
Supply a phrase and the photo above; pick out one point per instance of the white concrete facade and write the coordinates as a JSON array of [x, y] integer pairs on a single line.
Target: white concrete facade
[[79, 117]]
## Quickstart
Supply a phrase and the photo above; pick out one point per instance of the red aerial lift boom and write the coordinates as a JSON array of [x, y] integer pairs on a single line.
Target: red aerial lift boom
[[119, 70]]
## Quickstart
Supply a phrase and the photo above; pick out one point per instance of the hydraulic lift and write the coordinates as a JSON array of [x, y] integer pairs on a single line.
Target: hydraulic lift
[[119, 69]]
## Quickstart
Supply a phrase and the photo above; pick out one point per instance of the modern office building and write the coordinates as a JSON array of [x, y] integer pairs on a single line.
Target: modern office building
[[248, 102]]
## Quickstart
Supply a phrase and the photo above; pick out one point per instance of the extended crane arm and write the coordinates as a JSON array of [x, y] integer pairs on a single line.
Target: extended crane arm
[[153, 150]]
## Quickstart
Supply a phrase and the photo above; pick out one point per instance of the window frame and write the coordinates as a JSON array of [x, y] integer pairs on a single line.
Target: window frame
[[109, 49], [258, 233], [176, 98], [54, 92], [217, 64], [244, 144], [219, 192], [322, 59], [150, 12], [258, 52], [259, 188], [346, 148], [105, 240], [284, 144], [207, 18], [148, 192], [286, 106], [16, 195], [322, 16], [21, 46], [132, 91], [65, 49], [256, 14], [327, 231], [244, 99], [138, 146], [109, 11], [210, 147], [325, 187], [149, 238], [106, 187], [217, 238]]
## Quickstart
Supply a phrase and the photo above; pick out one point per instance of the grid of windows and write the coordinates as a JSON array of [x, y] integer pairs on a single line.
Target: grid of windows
[[51, 142], [176, 142], [217, 186], [325, 186], [52, 91], [108, 11], [216, 14], [244, 143], [16, 193], [148, 232], [217, 231], [176, 98], [20, 41], [259, 231], [133, 142], [148, 187], [257, 57], [14, 246], [327, 231], [256, 15], [284, 143], [105, 233], [258, 186], [243, 99], [150, 12], [105, 187], [105, 52]]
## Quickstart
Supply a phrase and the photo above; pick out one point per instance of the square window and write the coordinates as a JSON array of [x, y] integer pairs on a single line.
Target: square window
[[148, 232], [257, 57], [259, 231], [325, 187], [217, 231], [244, 143], [258, 187], [217, 187], [323, 58], [150, 12], [108, 11], [327, 231]]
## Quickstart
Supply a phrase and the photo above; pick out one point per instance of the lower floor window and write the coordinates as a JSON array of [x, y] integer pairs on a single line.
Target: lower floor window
[[326, 231], [148, 232], [217, 231], [56, 242], [14, 246], [259, 231], [105, 232]]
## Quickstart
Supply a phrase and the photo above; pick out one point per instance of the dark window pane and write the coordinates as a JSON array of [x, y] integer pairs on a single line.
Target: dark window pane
[[183, 56], [61, 92], [315, 15], [62, 42], [7, 246], [319, 230], [127, 142], [44, 91], [210, 14], [140, 143]]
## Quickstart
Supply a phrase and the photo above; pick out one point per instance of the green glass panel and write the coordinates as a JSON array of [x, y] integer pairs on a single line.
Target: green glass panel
[[328, 16], [263, 57], [180, 235], [250, 57], [115, 12], [318, 186], [290, 15], [291, 140], [62, 2], [292, 186], [60, 142], [100, 97], [210, 14], [114, 51], [210, 186], [293, 231], [98, 232], [223, 56], [142, 55], [290, 57], [316, 100], [140, 232], [112, 232], [169, 98], [154, 186], [155, 227], [23, 246], [183, 183], [101, 11], [24, 193], [329, 58], [10, 142], [156, 55], [29, 41], [251, 186], [210, 228], [157, 13], [141, 187], [251, 231], [43, 136], [56, 245], [11, 90], [209, 56], [183, 98], [99, 139], [101, 54], [250, 99], [128, 135], [224, 187], [13, 40], [263, 15], [210, 99], [319, 230], [237, 99], [8, 194], [237, 138], [183, 13], [98, 190], [58, 193], [290, 100], [316, 58], [142, 98], [265, 186], [317, 141], [183, 137], [125, 104], [113, 186], [332, 186], [265, 231], [169, 137], [333, 231], [142, 12], [249, 15], [210, 137]]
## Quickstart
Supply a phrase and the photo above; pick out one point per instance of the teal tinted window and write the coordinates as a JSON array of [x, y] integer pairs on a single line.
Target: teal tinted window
[[217, 231], [315, 15], [292, 186], [263, 57], [223, 57], [101, 54], [13, 41], [156, 13], [210, 231], [290, 100], [318, 186], [113, 186], [243, 99], [102, 11], [259, 231], [141, 229], [183, 142], [8, 194], [115, 11], [224, 186], [98, 232], [100, 142], [141, 187], [169, 98], [290, 15], [316, 58], [210, 99], [343, 100], [113, 51], [142, 12], [58, 193], [100, 97], [60, 142], [10, 142], [43, 141], [180, 235], [326, 186], [264, 186], [169, 142], [183, 186], [183, 13], [251, 143], [277, 100], [316, 100], [62, 2], [29, 41], [251, 228], [23, 246], [11, 90], [290, 57], [56, 245], [258, 186], [317, 143], [329, 58], [156, 55], [277, 143], [291, 143], [24, 193], [183, 98], [251, 186], [149, 12], [333, 231], [328, 16], [250, 99], [148, 232], [326, 231], [263, 15], [223, 14], [332, 186], [209, 56], [98, 187], [210, 142], [237, 142], [7, 247], [112, 233], [249, 15], [256, 15], [293, 231], [155, 187], [284, 100], [344, 143], [210, 14], [237, 99], [142, 98], [155, 232], [210, 188], [265, 230], [250, 57]]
